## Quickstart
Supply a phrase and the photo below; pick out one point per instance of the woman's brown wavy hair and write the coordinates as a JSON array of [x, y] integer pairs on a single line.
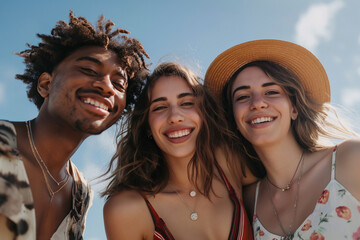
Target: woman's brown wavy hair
[[139, 163], [311, 123]]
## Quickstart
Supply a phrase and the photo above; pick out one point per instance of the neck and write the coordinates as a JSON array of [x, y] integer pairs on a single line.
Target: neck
[[178, 173], [54, 142], [280, 161]]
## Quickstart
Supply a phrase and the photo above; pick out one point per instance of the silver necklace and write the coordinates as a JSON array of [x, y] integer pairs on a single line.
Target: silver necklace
[[41, 160], [288, 186], [288, 235], [193, 214]]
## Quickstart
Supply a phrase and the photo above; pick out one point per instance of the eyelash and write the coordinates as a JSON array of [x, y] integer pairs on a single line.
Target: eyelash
[[89, 71], [272, 92], [119, 84], [184, 104]]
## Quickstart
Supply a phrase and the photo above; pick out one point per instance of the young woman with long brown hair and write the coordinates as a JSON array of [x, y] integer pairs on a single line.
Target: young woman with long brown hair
[[171, 177], [276, 95]]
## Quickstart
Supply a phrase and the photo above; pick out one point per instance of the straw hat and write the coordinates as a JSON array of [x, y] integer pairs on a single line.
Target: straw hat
[[293, 57]]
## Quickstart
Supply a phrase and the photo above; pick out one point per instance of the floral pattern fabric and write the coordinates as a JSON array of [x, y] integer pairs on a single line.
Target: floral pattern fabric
[[17, 212], [336, 216]]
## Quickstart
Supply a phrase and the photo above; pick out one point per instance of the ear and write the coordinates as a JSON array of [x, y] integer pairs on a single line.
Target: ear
[[294, 113], [44, 84]]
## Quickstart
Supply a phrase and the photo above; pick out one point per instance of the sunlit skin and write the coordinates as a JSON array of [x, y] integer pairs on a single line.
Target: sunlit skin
[[262, 110], [84, 95], [263, 114], [174, 122], [88, 90], [173, 117]]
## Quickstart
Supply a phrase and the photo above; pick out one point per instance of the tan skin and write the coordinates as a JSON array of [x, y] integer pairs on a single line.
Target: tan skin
[[127, 216], [278, 150], [65, 120]]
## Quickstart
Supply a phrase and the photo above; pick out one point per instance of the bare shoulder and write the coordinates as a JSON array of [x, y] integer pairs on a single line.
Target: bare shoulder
[[348, 165], [126, 216], [348, 154]]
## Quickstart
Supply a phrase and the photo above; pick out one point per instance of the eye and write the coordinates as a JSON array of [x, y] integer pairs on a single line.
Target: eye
[[241, 98], [272, 92], [120, 84], [88, 71], [158, 108], [188, 103]]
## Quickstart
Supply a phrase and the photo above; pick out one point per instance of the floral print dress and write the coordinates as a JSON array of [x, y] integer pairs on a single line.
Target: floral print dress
[[336, 215]]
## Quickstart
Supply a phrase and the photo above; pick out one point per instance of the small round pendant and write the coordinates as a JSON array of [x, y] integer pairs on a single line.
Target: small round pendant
[[192, 193], [194, 216]]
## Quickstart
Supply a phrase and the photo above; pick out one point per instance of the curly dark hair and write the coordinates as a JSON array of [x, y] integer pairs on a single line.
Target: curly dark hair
[[66, 38]]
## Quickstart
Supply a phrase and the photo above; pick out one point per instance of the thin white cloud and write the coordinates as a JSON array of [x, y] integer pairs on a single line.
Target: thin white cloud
[[350, 97], [316, 24], [91, 172], [105, 141], [2, 93]]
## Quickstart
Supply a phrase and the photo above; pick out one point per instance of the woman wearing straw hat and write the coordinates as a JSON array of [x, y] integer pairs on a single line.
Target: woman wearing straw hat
[[169, 180], [276, 96]]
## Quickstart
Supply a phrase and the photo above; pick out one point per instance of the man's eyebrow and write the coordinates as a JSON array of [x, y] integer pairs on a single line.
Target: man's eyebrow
[[240, 88], [87, 58]]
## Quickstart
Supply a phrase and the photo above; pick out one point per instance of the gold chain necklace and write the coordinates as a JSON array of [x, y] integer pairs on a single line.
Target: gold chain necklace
[[288, 186], [42, 161], [288, 235], [32, 145]]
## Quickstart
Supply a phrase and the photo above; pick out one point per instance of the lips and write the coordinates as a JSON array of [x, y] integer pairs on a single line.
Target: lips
[[95, 103], [261, 120], [178, 135]]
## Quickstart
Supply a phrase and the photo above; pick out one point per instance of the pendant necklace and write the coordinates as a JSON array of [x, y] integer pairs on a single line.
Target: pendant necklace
[[288, 235], [194, 215], [38, 160], [192, 193], [288, 186]]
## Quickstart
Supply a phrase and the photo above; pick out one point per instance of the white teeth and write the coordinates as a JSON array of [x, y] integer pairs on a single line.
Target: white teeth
[[261, 120], [179, 134], [96, 103]]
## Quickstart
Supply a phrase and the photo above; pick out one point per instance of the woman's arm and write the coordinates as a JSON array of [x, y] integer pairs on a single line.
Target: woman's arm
[[347, 166], [126, 216]]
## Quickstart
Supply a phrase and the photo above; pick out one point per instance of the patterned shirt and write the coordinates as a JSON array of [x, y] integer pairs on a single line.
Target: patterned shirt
[[17, 213]]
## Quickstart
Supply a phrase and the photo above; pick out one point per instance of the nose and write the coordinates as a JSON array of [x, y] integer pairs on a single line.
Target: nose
[[175, 115], [105, 85], [258, 102]]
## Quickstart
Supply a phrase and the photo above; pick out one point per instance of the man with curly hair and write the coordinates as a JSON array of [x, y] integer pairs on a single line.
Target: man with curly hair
[[81, 78]]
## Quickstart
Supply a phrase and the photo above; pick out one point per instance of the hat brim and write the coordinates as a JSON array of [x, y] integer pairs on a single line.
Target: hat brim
[[293, 57]]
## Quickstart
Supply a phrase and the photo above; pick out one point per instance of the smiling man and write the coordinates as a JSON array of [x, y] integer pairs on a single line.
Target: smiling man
[[82, 79]]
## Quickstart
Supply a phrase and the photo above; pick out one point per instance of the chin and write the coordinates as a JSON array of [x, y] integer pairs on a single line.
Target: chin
[[91, 128]]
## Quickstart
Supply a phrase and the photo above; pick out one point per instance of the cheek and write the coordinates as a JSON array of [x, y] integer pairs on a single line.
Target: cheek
[[238, 112], [121, 100], [154, 124]]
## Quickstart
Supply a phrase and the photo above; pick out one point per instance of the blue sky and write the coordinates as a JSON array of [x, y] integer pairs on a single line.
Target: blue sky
[[190, 32]]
